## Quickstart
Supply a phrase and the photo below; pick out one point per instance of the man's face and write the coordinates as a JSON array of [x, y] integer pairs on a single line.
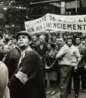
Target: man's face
[[69, 42], [42, 39], [78, 41], [34, 38], [23, 41]]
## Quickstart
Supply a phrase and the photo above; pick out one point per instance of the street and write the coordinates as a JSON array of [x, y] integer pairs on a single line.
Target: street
[[55, 94]]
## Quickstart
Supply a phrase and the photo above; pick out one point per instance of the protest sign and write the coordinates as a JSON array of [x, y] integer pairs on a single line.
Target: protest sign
[[57, 23]]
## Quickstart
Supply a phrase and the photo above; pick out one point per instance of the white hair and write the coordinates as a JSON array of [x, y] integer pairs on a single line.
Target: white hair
[[4, 90]]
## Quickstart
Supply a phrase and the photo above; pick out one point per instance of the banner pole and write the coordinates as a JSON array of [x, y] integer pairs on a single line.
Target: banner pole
[[76, 7]]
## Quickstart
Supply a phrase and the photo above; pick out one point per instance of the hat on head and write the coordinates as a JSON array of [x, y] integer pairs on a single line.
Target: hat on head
[[23, 33]]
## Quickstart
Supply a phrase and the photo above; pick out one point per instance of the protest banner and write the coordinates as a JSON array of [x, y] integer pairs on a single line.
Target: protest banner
[[57, 23]]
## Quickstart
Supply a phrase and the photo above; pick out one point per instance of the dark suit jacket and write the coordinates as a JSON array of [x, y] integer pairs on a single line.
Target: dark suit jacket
[[34, 87], [42, 51], [82, 62], [11, 60]]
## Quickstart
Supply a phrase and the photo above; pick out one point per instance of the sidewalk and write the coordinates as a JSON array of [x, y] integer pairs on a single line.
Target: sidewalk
[[53, 93]]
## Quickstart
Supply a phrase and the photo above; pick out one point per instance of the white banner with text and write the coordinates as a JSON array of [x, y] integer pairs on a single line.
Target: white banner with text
[[53, 22]]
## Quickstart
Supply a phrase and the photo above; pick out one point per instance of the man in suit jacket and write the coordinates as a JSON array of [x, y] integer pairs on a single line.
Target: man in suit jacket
[[11, 60], [28, 81]]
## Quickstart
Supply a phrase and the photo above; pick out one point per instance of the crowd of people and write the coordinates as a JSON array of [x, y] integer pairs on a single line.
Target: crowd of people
[[42, 61]]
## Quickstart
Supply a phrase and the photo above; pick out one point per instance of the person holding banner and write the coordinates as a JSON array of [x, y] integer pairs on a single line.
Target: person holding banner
[[67, 57]]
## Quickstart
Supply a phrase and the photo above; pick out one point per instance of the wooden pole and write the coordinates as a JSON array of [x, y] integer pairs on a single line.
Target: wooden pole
[[42, 2]]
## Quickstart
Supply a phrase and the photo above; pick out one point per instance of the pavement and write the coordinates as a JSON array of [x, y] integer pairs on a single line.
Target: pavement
[[53, 93]]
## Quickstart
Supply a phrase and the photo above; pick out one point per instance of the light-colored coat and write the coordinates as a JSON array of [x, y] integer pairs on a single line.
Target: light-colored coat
[[4, 90]]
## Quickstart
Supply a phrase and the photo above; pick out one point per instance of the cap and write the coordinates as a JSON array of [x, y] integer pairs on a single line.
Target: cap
[[23, 33]]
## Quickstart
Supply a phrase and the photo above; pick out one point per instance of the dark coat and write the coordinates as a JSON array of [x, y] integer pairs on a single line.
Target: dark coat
[[11, 60], [34, 87], [42, 53], [82, 62]]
